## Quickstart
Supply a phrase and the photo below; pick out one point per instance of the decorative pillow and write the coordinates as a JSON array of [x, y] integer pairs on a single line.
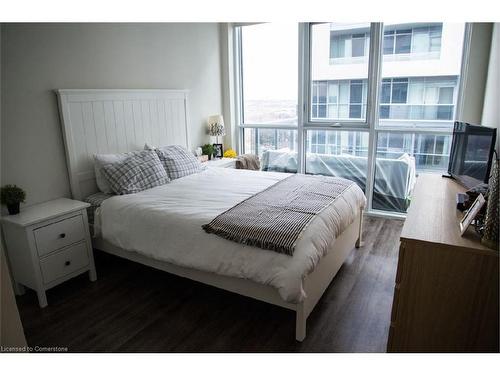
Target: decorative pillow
[[138, 172], [178, 162], [100, 160]]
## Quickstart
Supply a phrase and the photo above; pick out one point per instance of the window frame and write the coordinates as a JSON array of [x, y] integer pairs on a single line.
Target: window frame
[[239, 95], [306, 37], [239, 89], [394, 35], [370, 125]]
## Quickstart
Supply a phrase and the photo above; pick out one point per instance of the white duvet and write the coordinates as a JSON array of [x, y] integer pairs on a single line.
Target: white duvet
[[165, 222]]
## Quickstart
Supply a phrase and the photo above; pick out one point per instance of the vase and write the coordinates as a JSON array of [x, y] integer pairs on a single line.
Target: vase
[[13, 208]]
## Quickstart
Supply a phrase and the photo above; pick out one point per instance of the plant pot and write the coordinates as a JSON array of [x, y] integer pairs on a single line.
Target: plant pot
[[13, 208], [209, 157]]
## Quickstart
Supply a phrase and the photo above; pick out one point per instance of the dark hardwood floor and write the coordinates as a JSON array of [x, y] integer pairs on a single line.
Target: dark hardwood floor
[[133, 308]]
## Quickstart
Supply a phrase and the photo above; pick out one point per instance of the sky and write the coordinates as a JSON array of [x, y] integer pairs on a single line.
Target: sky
[[270, 61]]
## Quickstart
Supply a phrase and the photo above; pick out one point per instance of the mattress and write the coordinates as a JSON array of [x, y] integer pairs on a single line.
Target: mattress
[[165, 223]]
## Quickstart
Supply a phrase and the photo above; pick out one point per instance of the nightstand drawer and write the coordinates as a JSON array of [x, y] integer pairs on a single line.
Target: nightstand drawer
[[64, 262], [60, 234]]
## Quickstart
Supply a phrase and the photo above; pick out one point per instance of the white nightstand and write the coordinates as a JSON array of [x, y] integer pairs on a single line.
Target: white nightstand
[[222, 163], [47, 244]]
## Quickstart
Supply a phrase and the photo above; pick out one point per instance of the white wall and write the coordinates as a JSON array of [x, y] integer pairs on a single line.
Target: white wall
[[38, 58], [477, 70], [491, 109], [11, 329]]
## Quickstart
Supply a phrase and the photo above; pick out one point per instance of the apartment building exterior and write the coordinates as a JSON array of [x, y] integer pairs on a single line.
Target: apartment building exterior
[[420, 78]]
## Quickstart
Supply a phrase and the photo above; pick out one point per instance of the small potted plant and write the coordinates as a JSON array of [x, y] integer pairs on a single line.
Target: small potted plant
[[209, 150], [12, 196]]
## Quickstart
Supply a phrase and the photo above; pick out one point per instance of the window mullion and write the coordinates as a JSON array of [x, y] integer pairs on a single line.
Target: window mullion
[[374, 82], [304, 87], [238, 89]]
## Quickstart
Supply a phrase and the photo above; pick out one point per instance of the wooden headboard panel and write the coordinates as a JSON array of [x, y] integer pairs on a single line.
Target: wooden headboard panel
[[115, 121]]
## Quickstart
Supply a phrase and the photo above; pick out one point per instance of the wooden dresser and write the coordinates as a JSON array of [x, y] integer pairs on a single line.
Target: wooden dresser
[[446, 293]]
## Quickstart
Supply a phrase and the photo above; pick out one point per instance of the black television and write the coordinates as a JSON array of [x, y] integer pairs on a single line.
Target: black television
[[471, 153]]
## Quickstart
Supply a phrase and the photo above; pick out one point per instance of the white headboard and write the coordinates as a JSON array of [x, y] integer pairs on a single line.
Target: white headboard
[[115, 121]]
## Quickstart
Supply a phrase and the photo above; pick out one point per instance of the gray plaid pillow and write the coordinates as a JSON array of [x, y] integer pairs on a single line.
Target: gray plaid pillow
[[178, 161], [138, 172]]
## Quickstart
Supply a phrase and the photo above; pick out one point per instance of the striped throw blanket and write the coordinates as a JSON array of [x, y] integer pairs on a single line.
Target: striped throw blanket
[[274, 218]]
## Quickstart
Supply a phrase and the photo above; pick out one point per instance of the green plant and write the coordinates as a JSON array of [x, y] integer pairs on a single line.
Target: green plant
[[12, 194], [208, 149]]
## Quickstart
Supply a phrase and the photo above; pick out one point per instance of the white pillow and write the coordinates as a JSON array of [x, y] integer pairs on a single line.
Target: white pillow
[[100, 160]]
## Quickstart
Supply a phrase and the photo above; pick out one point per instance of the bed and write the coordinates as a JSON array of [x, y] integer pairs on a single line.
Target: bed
[[161, 227]]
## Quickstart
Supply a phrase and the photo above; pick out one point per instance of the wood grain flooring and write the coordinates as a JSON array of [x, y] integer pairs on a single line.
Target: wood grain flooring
[[133, 308]]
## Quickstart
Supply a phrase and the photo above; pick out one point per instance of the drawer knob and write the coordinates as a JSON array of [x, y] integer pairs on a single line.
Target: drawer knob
[[62, 235], [67, 263]]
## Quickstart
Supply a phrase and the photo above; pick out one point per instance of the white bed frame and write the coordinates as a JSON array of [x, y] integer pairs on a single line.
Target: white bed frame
[[113, 121]]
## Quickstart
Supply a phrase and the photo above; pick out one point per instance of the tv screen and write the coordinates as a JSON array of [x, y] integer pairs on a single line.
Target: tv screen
[[471, 153]]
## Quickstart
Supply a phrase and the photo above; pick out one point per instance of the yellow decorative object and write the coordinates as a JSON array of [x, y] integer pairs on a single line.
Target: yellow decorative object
[[230, 153]]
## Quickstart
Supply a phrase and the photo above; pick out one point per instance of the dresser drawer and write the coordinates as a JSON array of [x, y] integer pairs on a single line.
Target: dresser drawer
[[57, 235], [64, 262]]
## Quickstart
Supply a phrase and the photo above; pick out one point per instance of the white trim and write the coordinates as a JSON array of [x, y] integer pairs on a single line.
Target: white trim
[[338, 124], [238, 87], [385, 214], [228, 86], [372, 114], [439, 131], [270, 126], [302, 111]]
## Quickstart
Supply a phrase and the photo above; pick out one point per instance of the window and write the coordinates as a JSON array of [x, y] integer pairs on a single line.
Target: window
[[403, 41], [356, 99], [430, 152], [397, 41], [338, 153], [345, 100], [258, 141], [337, 46], [417, 98], [344, 44], [339, 86], [418, 87], [358, 45], [427, 39], [269, 74], [420, 39], [420, 99]]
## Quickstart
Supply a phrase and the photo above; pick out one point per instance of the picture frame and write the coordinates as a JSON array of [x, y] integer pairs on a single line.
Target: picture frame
[[471, 213], [218, 150]]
